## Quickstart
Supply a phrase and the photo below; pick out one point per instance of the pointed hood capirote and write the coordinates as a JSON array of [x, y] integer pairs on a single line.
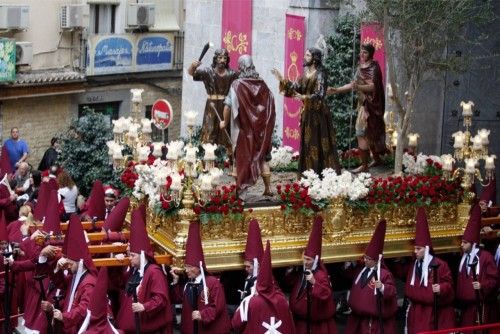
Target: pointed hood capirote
[[139, 240], [97, 321], [42, 201], [254, 249], [114, 221], [4, 235], [52, 221], [75, 246], [97, 207], [314, 243], [422, 234], [5, 166], [376, 245], [194, 249], [473, 229]]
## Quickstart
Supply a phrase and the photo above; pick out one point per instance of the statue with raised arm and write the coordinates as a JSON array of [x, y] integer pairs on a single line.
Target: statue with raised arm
[[318, 144], [217, 79]]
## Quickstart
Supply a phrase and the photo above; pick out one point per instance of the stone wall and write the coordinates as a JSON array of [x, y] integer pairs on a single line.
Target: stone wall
[[41, 118], [38, 119]]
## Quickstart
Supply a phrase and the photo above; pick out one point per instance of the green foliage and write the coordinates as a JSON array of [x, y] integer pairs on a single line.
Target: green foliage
[[293, 166], [339, 65], [84, 154]]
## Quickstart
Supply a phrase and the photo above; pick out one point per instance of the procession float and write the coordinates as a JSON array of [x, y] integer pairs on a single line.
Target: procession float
[[182, 182]]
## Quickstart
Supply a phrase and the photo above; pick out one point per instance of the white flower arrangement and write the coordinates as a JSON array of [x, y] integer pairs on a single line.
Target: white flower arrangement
[[417, 166], [150, 179], [331, 185], [281, 157]]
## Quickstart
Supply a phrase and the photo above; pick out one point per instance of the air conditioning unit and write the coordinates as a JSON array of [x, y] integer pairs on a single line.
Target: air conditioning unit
[[141, 15], [74, 16], [24, 53], [14, 17]]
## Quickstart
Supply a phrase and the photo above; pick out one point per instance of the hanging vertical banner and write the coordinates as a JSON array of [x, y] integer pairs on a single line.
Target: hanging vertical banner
[[294, 56], [237, 29], [373, 33]]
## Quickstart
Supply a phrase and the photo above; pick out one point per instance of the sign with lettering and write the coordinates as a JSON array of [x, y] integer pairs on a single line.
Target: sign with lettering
[[111, 54], [153, 52], [161, 114], [7, 59]]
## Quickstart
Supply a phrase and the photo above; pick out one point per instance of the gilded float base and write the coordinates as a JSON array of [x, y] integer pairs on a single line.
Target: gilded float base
[[346, 232]]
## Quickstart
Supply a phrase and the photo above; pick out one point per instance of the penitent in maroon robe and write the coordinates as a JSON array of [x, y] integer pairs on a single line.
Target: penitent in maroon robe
[[215, 319], [6, 205], [465, 295], [364, 318], [153, 294], [267, 310], [322, 304], [420, 317], [73, 319]]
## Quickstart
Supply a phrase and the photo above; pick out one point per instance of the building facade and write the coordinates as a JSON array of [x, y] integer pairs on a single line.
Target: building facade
[[89, 53]]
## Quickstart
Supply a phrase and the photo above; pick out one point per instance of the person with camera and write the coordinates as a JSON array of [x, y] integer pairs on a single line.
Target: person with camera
[[311, 299]]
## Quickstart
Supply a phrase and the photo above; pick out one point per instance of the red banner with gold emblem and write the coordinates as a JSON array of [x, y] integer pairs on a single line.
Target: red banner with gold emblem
[[237, 29], [294, 56], [373, 33]]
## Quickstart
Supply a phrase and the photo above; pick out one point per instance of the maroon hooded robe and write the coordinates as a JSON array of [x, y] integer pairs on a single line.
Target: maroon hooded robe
[[487, 276], [267, 309], [420, 315], [214, 317], [321, 293], [152, 291], [364, 318]]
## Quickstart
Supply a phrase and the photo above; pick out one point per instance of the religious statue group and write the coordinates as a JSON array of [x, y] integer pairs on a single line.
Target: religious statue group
[[240, 114]]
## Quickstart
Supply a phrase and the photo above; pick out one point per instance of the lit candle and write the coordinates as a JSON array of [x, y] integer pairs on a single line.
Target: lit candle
[[157, 149], [470, 165], [389, 91], [206, 182], [172, 153], [394, 138], [117, 153], [132, 131], [144, 152], [137, 95], [477, 143], [490, 162], [190, 117], [191, 153], [413, 139], [467, 108], [176, 182], [459, 139], [209, 151], [146, 125], [117, 126], [484, 133], [447, 162]]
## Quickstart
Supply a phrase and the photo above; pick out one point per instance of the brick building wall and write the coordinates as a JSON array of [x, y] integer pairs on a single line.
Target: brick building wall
[[38, 119]]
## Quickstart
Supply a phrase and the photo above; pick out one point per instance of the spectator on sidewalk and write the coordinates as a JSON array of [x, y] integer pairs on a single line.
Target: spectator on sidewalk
[[16, 148]]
